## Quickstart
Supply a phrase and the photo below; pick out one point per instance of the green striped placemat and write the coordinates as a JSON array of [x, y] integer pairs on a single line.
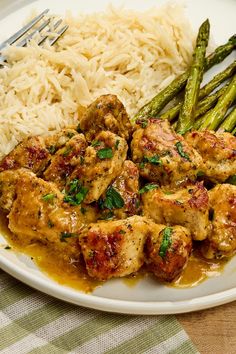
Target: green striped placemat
[[32, 322]]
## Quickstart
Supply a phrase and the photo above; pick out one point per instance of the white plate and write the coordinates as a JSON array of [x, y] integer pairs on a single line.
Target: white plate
[[147, 297]]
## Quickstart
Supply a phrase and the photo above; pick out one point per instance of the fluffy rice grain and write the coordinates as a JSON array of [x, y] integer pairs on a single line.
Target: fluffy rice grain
[[131, 54]]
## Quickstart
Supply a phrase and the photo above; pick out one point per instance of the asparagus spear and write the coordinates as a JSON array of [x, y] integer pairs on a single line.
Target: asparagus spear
[[229, 122], [217, 80], [204, 106], [187, 111], [215, 117], [234, 131], [220, 53], [152, 108], [173, 112], [209, 101]]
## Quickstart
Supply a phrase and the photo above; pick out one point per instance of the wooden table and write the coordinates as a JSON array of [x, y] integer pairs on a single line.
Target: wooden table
[[212, 331]]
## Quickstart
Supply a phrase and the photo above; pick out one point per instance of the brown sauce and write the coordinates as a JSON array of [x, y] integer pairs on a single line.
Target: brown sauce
[[74, 274], [64, 273], [199, 269]]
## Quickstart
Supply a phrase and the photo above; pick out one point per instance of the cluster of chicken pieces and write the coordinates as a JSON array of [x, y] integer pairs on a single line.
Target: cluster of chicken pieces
[[117, 197]]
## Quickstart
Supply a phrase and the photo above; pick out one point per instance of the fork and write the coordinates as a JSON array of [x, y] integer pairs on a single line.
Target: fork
[[15, 37]]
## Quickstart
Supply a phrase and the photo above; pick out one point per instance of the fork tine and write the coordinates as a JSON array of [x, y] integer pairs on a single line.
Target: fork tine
[[59, 34], [57, 24], [23, 30], [42, 39], [31, 35]]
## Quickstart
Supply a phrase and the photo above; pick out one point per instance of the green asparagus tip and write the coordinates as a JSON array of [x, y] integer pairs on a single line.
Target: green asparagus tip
[[188, 110], [233, 39]]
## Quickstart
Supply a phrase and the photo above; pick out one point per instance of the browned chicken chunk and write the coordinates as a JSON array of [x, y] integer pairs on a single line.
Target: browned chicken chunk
[[187, 206], [218, 151], [221, 241], [167, 250], [65, 160], [31, 153], [59, 139], [106, 113], [114, 248], [162, 155], [103, 162], [121, 198], [8, 181], [47, 219]]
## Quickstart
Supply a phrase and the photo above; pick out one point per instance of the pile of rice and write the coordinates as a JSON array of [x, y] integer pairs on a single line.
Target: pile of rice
[[131, 54]]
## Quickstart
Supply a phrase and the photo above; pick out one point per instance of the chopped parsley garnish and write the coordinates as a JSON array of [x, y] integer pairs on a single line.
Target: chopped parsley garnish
[[76, 193], [48, 197], [147, 188], [74, 185], [105, 153], [52, 149], [67, 151], [77, 198], [154, 160], [166, 241], [65, 235], [117, 144], [95, 143], [168, 193], [112, 200], [7, 248], [231, 180], [144, 124], [181, 152]]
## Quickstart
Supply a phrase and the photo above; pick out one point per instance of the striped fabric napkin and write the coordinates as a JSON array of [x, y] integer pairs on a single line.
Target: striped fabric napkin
[[32, 322]]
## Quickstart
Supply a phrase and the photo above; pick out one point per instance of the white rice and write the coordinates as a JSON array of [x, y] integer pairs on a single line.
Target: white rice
[[131, 54]]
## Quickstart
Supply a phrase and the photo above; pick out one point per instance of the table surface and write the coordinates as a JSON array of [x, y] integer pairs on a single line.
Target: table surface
[[213, 330]]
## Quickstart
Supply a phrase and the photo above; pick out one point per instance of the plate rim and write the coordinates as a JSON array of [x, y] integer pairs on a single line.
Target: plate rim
[[76, 297]]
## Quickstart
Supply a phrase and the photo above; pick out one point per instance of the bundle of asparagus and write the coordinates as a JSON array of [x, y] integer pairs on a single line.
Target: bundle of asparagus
[[200, 109]]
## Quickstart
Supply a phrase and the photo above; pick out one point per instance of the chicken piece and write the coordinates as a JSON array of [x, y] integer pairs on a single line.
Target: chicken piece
[[163, 156], [221, 241], [106, 113], [31, 153], [167, 250], [59, 139], [39, 215], [8, 181], [65, 160], [127, 202], [103, 162], [218, 151], [114, 248], [187, 206]]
